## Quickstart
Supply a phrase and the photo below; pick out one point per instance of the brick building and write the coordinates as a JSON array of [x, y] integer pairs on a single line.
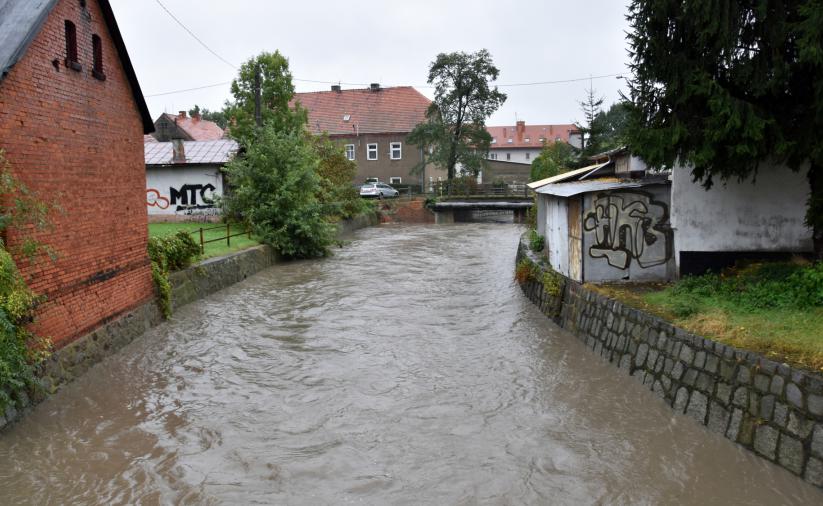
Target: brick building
[[169, 127], [72, 120], [372, 125]]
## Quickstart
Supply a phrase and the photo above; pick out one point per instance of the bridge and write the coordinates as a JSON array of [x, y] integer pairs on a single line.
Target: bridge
[[459, 198]]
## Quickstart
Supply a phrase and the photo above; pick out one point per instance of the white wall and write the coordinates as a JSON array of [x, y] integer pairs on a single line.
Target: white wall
[[183, 191], [517, 155], [766, 216]]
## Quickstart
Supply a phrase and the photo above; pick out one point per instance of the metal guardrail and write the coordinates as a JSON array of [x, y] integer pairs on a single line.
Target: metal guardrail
[[473, 189]]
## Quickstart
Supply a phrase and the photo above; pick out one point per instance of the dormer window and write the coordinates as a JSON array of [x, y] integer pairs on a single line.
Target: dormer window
[[509, 141], [494, 141], [97, 47], [72, 61], [347, 117], [528, 139]]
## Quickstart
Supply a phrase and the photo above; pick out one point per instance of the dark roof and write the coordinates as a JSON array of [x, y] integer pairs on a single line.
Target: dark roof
[[20, 22], [196, 128], [363, 111]]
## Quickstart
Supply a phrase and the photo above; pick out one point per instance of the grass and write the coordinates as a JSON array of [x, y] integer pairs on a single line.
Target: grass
[[754, 308], [213, 249]]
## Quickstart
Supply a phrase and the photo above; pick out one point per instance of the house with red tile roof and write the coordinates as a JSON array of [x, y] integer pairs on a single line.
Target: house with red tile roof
[[372, 125], [521, 143], [188, 128]]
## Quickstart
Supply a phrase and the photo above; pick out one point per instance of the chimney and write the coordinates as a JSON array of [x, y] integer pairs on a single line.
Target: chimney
[[178, 151], [182, 115], [375, 86], [336, 88], [521, 130]]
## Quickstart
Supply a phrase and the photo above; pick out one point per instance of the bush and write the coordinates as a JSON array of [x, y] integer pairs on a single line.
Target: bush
[[526, 271], [167, 254], [536, 241]]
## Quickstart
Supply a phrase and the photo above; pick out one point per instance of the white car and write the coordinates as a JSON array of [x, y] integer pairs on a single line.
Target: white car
[[378, 190]]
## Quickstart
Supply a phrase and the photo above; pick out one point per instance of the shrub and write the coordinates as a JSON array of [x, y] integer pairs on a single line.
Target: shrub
[[526, 271], [536, 241], [167, 254], [552, 283]]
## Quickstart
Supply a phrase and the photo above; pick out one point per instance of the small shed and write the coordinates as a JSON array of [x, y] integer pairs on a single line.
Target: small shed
[[607, 229], [184, 177]]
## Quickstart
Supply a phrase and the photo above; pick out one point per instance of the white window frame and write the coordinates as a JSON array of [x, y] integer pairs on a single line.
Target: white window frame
[[395, 180], [353, 152], [508, 157], [399, 150], [371, 149]]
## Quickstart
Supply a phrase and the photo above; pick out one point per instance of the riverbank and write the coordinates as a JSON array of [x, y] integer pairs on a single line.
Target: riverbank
[[769, 408], [206, 277]]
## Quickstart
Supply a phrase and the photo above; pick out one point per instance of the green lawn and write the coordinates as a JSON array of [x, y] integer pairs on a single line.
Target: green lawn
[[214, 249], [746, 309]]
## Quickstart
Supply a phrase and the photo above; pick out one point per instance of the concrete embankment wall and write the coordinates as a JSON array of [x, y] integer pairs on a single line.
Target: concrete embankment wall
[[189, 285], [769, 408]]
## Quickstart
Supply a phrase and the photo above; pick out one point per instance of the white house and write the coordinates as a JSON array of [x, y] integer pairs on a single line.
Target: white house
[[184, 177], [521, 143]]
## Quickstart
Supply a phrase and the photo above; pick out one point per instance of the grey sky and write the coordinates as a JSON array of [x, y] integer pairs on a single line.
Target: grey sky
[[389, 42]]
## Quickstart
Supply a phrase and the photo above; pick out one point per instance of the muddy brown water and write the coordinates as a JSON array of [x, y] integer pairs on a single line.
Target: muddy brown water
[[406, 369]]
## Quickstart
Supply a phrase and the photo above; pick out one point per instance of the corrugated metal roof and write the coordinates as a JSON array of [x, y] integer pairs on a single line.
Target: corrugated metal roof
[[578, 187], [197, 152], [581, 173]]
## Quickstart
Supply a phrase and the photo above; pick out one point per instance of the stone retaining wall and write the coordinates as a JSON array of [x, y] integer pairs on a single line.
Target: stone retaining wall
[[189, 285], [771, 409]]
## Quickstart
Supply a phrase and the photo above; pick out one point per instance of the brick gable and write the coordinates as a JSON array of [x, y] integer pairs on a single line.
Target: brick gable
[[79, 140]]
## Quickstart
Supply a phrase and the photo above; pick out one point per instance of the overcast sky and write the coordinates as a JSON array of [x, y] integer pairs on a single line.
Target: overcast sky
[[388, 41]]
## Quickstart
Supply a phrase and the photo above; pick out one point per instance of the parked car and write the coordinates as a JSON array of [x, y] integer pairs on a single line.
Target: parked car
[[378, 190]]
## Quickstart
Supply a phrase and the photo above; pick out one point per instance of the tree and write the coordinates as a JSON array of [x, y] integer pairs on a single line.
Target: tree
[[276, 91], [336, 173], [219, 117], [275, 186], [555, 158], [592, 130], [612, 126], [724, 86], [455, 126]]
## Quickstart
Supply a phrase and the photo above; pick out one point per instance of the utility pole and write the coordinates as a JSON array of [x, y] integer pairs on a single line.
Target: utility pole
[[258, 112]]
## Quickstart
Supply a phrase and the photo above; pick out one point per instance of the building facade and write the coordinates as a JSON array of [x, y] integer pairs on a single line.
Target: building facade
[[184, 179], [372, 126], [522, 144], [72, 120]]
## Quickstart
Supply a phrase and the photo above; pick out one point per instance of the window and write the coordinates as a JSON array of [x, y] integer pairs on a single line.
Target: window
[[528, 155], [494, 141], [395, 180], [492, 156], [509, 141], [371, 151], [71, 47], [97, 46], [528, 139], [350, 151], [396, 152], [508, 156]]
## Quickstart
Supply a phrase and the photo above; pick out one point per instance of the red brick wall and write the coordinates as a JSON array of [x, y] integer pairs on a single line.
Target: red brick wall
[[78, 140]]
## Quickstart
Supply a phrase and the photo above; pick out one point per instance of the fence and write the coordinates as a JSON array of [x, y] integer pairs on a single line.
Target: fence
[[461, 188], [226, 237]]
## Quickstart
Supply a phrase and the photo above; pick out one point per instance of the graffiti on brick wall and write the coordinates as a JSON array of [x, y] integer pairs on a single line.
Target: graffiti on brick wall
[[629, 226], [188, 199]]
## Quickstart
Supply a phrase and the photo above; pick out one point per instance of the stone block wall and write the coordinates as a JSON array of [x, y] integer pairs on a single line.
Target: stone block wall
[[769, 408]]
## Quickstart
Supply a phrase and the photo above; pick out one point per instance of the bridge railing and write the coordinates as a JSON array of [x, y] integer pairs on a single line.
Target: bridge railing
[[470, 188]]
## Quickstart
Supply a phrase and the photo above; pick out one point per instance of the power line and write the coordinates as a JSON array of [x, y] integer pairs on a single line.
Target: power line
[[184, 27], [539, 83]]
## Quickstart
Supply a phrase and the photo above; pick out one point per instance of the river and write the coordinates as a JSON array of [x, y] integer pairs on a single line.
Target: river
[[408, 368]]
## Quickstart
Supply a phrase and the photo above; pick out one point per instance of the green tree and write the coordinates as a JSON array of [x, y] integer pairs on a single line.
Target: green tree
[[276, 91], [722, 86], [592, 129], [555, 158], [455, 129], [336, 173], [613, 125], [275, 187], [218, 117]]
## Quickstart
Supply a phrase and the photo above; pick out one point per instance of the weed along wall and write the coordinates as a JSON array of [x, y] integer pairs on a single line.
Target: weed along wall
[[771, 409]]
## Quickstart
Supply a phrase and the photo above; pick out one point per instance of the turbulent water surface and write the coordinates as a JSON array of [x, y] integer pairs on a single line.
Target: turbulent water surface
[[406, 369]]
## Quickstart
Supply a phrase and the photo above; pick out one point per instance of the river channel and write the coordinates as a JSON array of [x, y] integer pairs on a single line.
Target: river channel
[[408, 368]]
